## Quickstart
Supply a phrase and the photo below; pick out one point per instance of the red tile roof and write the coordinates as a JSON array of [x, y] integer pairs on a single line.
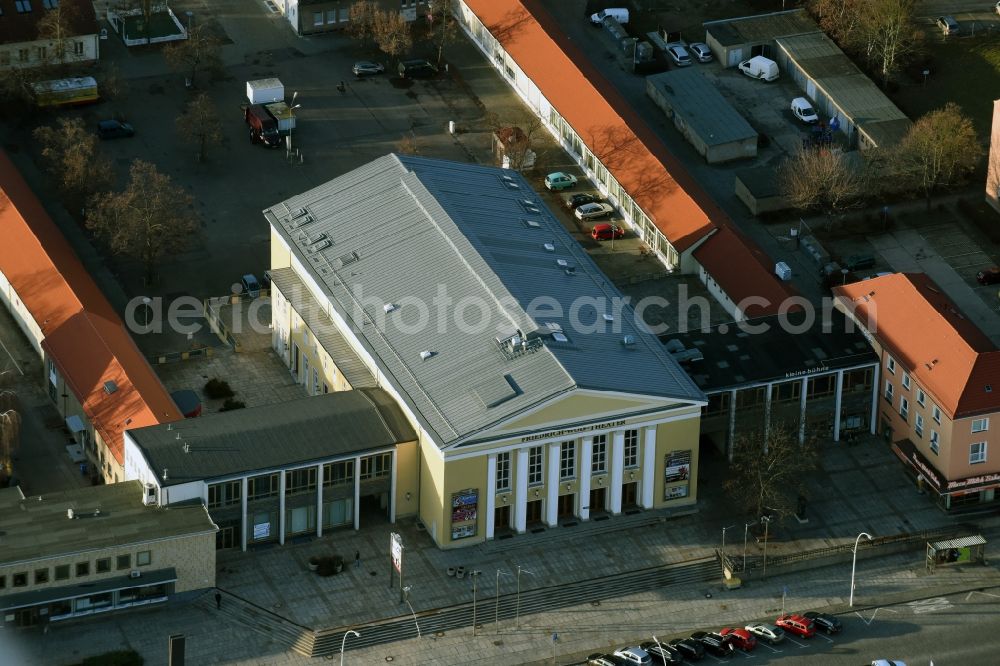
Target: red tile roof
[[82, 332], [603, 119], [744, 272], [926, 333]]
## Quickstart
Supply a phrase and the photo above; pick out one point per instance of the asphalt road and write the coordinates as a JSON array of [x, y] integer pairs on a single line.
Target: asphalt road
[[956, 629]]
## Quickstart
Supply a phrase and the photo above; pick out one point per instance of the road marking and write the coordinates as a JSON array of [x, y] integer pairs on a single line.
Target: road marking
[[874, 613], [11, 356], [801, 645], [825, 637], [988, 594], [929, 605], [770, 647]]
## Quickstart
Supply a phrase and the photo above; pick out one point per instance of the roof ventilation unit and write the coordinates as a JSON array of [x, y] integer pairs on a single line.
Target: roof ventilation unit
[[549, 247], [389, 307], [297, 213], [559, 336], [322, 245], [532, 224], [70, 514], [608, 317], [110, 387], [426, 354], [628, 340], [302, 221]]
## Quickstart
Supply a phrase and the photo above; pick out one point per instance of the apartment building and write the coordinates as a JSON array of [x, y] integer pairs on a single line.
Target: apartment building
[[20, 45]]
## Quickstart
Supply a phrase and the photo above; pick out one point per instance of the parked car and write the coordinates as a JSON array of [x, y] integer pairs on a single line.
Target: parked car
[[620, 14], [796, 624], [714, 643], [598, 659], [607, 232], [633, 656], [996, 8], [593, 211], [828, 623], [662, 653], [700, 51], [367, 68], [416, 69], [887, 662], [577, 200], [804, 111], [989, 276], [740, 638], [766, 632], [690, 648], [759, 67], [560, 181], [250, 285], [679, 55], [114, 129], [948, 25]]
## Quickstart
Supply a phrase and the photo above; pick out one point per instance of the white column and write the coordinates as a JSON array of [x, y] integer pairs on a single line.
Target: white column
[[392, 490], [731, 435], [649, 467], [281, 507], [586, 458], [802, 409], [244, 528], [357, 492], [836, 405], [521, 492], [491, 494], [876, 391], [552, 487], [319, 500], [617, 469]]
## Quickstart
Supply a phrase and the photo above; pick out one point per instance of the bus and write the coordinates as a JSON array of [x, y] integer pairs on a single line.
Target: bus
[[66, 92]]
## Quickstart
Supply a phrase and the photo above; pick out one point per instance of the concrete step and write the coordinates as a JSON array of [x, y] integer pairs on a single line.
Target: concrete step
[[242, 612]]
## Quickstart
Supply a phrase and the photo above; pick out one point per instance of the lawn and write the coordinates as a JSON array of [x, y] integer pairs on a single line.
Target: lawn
[[962, 70]]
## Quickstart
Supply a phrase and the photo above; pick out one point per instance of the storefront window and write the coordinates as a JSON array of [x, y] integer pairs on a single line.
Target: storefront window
[[338, 512]]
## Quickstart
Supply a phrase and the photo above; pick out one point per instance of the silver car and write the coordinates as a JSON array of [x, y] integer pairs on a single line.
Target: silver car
[[700, 51], [766, 632], [367, 68], [679, 55], [593, 211]]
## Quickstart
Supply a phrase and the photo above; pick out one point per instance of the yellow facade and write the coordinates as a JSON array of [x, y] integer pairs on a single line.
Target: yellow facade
[[407, 479]]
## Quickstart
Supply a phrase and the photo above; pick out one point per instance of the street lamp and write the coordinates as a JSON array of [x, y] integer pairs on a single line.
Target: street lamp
[[517, 611], [291, 109], [344, 640], [767, 522], [723, 558], [146, 300], [475, 577], [406, 598], [854, 563], [746, 529], [497, 594]]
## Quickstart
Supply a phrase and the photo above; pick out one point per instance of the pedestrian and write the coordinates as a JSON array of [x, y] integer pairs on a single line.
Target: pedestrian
[[218, 601], [342, 88], [357, 559]]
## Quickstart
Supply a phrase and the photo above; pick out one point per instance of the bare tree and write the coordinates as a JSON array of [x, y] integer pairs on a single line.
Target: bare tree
[[199, 125], [362, 20], [201, 51], [768, 469], [392, 33], [150, 218], [408, 144], [70, 152], [58, 25], [10, 434], [821, 180], [939, 150], [516, 133], [442, 29]]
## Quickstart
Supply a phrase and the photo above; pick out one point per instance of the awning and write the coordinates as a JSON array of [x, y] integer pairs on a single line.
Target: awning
[[908, 453], [963, 542], [48, 595], [75, 424]]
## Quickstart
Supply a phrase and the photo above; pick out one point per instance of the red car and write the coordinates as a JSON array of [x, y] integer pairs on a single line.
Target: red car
[[607, 232], [797, 624], [740, 638], [989, 276]]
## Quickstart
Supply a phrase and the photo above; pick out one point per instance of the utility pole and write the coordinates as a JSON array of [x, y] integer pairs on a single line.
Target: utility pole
[[767, 522], [497, 595], [475, 577], [517, 611]]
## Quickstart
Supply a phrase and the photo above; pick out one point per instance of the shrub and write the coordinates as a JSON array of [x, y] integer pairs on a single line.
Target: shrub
[[231, 404], [330, 565], [216, 389]]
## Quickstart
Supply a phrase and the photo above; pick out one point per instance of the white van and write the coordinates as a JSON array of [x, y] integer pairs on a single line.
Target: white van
[[620, 14], [759, 67]]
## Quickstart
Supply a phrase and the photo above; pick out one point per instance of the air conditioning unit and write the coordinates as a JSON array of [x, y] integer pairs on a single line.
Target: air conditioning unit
[[135, 573]]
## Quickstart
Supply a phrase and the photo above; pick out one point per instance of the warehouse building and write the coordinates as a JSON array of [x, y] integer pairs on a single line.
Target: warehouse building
[[734, 40], [702, 115], [536, 399]]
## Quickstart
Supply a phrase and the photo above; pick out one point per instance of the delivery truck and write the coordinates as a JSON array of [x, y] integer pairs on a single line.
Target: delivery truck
[[759, 67]]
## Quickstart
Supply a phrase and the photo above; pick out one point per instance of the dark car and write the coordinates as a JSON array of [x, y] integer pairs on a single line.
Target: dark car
[[989, 276], [417, 69], [714, 643], [578, 200], [114, 129], [663, 653], [824, 622], [689, 647]]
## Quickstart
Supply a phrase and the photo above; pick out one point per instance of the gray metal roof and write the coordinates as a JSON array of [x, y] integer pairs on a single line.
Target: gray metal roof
[[961, 542], [852, 91], [702, 106], [273, 436], [39, 526], [319, 323], [760, 28], [399, 229]]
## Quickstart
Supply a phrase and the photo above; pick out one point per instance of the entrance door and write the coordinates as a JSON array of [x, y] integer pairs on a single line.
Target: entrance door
[[295, 360], [630, 494], [534, 512], [566, 505], [597, 503], [26, 617], [501, 518], [225, 538]]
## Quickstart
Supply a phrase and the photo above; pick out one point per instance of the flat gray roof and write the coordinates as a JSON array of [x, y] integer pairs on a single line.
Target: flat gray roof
[[838, 77], [702, 106], [760, 28], [272, 436], [396, 230], [37, 527]]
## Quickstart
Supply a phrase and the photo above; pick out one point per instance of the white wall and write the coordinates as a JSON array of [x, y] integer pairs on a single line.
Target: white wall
[[10, 52]]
